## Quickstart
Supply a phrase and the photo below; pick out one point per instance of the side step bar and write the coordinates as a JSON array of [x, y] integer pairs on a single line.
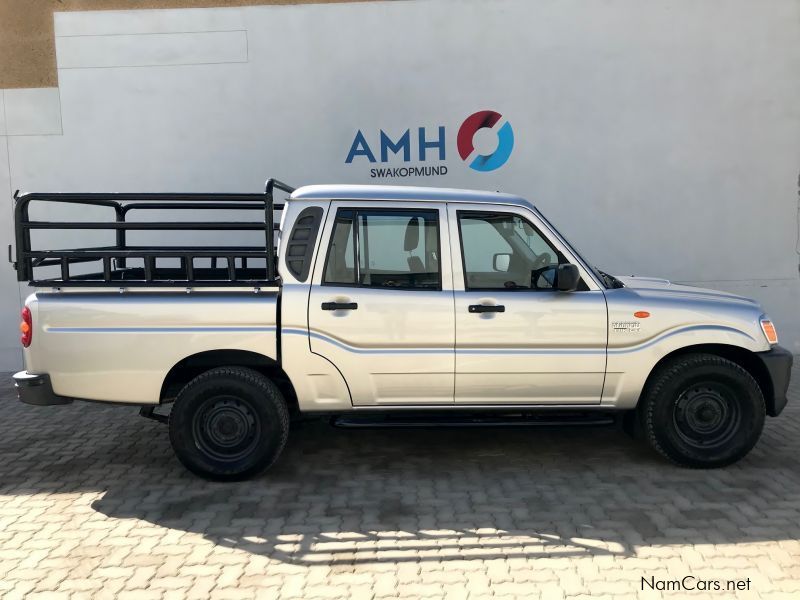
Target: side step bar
[[427, 420]]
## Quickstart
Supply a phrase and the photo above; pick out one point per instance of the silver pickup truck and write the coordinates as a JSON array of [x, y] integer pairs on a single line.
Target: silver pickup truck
[[382, 306]]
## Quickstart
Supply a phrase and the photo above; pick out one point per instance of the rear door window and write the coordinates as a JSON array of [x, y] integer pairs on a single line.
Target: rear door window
[[388, 249]]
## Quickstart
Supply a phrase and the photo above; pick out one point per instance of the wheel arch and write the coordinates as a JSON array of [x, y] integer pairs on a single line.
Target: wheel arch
[[191, 366], [743, 357]]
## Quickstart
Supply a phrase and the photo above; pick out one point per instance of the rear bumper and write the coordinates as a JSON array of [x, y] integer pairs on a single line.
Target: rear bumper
[[778, 362], [37, 390]]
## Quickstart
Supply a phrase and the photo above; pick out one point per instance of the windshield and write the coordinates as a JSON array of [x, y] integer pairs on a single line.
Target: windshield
[[609, 281]]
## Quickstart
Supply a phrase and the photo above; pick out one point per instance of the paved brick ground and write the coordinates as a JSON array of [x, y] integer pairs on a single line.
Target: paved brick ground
[[94, 505]]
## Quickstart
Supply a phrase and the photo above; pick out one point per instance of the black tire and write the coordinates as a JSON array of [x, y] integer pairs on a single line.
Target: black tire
[[702, 411], [229, 423]]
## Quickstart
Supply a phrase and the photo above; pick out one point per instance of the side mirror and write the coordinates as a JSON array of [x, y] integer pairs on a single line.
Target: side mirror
[[501, 262], [567, 278]]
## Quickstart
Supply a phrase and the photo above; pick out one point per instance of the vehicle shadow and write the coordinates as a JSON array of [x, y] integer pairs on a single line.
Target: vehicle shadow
[[349, 497]]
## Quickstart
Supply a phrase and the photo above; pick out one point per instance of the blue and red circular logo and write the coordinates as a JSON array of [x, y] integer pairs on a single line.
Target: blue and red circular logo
[[485, 119]]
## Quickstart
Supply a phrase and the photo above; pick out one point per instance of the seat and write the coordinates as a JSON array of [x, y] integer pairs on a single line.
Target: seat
[[410, 243], [415, 264]]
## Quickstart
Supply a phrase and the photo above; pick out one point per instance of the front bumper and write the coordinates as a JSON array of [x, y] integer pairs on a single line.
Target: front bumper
[[37, 390], [778, 362]]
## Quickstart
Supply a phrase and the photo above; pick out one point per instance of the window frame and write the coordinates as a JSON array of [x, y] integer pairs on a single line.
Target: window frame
[[469, 212], [355, 236]]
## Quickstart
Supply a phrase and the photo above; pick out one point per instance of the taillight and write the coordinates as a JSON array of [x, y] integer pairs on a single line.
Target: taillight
[[26, 327]]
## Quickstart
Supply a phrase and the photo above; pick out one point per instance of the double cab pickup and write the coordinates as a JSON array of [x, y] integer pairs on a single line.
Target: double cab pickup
[[375, 306]]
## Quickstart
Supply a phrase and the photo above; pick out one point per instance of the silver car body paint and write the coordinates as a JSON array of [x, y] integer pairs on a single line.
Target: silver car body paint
[[409, 348]]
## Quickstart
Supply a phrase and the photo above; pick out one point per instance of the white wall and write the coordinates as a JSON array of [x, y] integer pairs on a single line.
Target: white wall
[[662, 137]]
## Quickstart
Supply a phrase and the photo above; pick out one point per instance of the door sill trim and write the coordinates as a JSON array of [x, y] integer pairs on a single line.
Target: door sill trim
[[427, 420], [481, 407]]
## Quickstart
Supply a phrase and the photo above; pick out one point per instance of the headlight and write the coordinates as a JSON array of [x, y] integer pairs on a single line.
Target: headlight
[[769, 330]]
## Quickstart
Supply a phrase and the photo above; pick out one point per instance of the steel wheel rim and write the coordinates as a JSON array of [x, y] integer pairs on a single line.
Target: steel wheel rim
[[707, 415], [226, 428]]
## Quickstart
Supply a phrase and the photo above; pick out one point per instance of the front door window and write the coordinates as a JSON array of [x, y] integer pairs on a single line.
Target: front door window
[[502, 251]]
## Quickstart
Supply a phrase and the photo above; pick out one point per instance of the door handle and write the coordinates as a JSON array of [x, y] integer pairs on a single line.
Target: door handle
[[484, 308], [339, 306]]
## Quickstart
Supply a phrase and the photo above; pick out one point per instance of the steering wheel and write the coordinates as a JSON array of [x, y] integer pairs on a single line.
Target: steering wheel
[[541, 261], [536, 273]]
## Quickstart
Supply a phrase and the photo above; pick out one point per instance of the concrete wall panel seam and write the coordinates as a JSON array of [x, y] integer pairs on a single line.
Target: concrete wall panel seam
[[151, 49]]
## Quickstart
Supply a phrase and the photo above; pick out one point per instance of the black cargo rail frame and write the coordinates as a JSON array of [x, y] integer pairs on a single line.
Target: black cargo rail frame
[[114, 274]]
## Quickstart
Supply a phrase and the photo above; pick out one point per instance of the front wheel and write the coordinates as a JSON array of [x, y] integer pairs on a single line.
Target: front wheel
[[228, 423], [702, 411]]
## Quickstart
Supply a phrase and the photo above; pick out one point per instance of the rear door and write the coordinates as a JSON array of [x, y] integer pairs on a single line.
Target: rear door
[[518, 340], [381, 303]]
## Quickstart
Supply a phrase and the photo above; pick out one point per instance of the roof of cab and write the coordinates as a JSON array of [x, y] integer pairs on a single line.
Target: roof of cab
[[402, 192]]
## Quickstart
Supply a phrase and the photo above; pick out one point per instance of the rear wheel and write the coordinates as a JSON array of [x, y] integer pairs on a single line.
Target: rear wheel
[[228, 423], [702, 411]]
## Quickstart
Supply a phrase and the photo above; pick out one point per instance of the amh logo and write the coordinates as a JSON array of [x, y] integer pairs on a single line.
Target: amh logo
[[360, 147], [485, 119], [430, 145]]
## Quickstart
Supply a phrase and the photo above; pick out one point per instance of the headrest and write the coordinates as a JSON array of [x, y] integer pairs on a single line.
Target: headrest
[[412, 234]]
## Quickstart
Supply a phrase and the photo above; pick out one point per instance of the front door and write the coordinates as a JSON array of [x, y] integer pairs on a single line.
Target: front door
[[381, 303], [518, 340]]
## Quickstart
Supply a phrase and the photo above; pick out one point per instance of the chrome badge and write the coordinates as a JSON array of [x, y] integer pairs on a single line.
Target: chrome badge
[[626, 326]]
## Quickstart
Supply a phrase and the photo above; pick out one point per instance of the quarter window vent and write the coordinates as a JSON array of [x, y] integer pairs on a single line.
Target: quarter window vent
[[301, 242]]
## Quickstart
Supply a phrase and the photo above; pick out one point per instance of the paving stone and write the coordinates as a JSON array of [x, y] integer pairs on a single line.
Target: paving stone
[[94, 505]]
